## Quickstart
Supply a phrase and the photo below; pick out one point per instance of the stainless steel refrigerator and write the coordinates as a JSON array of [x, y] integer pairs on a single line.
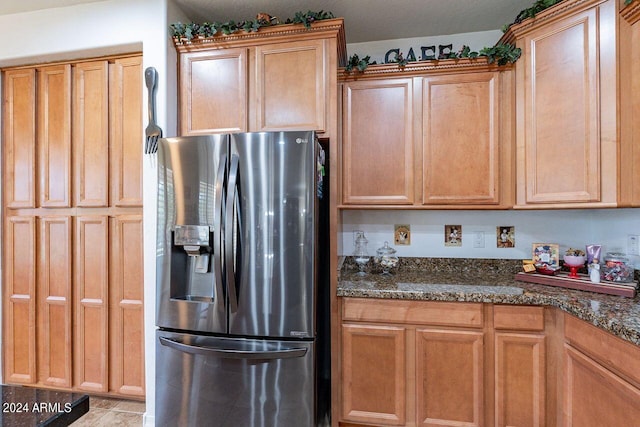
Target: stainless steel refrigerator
[[242, 289]]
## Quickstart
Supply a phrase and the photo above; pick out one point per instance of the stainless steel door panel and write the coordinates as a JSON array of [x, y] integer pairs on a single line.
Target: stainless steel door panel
[[276, 210], [191, 175], [225, 382]]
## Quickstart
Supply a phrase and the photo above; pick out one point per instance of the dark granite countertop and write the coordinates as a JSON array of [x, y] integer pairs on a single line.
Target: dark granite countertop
[[490, 281], [30, 406]]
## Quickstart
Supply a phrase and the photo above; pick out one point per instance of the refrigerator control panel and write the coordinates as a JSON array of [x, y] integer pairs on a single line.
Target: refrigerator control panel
[[191, 235]]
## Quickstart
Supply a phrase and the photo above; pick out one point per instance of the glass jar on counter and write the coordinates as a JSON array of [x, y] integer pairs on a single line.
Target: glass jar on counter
[[387, 259], [616, 268]]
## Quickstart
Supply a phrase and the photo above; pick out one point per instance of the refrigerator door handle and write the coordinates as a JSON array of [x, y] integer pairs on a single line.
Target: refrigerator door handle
[[217, 229], [229, 227], [285, 353]]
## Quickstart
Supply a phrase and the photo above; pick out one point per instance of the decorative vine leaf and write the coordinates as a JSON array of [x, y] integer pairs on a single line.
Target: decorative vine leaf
[[191, 30], [355, 62]]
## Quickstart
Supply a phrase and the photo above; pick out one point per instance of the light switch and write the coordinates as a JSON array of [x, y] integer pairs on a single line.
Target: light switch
[[478, 239], [633, 244]]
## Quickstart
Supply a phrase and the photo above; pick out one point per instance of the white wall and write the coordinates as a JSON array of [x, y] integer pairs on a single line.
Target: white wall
[[104, 28], [569, 228], [378, 49]]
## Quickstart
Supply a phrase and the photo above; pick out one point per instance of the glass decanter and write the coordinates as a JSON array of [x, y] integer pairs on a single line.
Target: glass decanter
[[387, 258], [360, 254]]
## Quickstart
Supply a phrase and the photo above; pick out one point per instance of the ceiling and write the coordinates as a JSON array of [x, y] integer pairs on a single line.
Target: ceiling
[[365, 20]]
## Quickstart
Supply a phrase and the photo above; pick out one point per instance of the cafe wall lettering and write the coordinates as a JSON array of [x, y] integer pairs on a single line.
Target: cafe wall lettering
[[426, 53]]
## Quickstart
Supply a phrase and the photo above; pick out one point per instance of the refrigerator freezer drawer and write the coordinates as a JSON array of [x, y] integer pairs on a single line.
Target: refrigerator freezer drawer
[[214, 381]]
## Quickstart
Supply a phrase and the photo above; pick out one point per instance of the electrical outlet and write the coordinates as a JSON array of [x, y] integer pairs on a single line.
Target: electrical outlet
[[478, 239], [633, 244]]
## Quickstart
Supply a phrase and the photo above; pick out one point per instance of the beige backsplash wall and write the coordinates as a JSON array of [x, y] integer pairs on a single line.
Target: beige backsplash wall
[[568, 228]]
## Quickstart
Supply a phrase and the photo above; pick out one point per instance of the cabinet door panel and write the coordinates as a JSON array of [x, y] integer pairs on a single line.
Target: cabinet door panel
[[91, 133], [19, 310], [19, 129], [291, 86], [54, 135], [449, 377], [373, 374], [594, 396], [125, 139], [213, 92], [378, 142], [91, 287], [520, 379], [561, 112], [460, 138], [126, 328], [54, 300]]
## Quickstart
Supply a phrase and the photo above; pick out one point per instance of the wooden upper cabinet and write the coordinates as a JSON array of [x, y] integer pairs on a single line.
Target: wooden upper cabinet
[[213, 91], [566, 107], [19, 138], [630, 102], [378, 142], [54, 135], [279, 78], [290, 86], [126, 133], [91, 133], [461, 139], [429, 136]]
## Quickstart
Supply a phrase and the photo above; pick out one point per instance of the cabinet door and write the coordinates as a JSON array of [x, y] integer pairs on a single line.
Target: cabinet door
[[54, 301], [559, 155], [378, 142], [19, 130], [126, 326], [594, 396], [449, 377], [126, 133], [91, 315], [54, 135], [91, 133], [520, 379], [373, 374], [213, 92], [19, 294], [290, 86], [461, 139]]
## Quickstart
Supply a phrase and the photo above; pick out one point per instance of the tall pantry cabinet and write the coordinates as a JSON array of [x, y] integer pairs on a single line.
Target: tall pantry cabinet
[[72, 300]]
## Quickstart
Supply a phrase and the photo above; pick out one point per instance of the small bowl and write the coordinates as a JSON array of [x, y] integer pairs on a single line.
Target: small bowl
[[575, 261], [545, 269]]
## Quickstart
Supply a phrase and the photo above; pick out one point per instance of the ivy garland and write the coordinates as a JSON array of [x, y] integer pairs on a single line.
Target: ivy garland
[[209, 29], [500, 54]]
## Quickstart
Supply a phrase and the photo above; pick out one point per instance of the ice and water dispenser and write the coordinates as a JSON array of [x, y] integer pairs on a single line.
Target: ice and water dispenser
[[192, 171], [191, 252]]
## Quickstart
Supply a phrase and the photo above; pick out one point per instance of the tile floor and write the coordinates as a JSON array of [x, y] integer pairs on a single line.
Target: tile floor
[[105, 412]]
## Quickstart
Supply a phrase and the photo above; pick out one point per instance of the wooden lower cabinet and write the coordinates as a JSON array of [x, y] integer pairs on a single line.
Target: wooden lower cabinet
[[519, 379], [411, 363], [594, 396], [449, 377], [482, 365], [374, 374], [520, 368]]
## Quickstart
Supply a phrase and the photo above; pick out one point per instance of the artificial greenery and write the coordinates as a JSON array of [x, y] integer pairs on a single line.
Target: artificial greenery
[[400, 59], [309, 17], [209, 29], [360, 64]]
